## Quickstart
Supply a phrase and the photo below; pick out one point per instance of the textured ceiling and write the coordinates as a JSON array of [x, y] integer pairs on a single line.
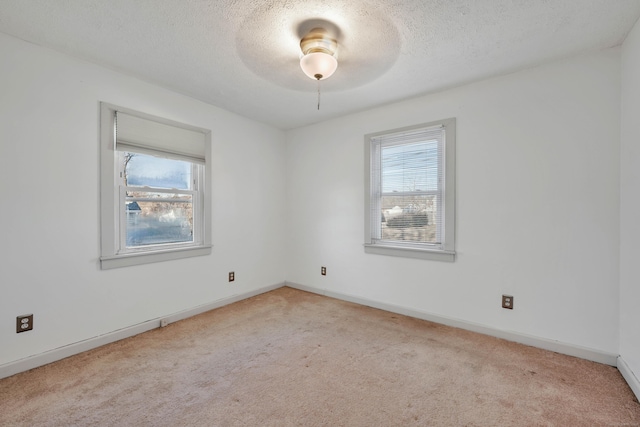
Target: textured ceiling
[[243, 55]]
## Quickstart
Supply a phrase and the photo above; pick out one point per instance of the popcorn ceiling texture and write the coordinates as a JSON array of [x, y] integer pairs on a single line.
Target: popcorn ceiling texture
[[242, 55], [290, 358]]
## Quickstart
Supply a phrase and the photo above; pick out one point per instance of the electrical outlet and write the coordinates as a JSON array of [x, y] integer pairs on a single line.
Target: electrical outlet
[[323, 271], [24, 323], [232, 276], [507, 302], [163, 323]]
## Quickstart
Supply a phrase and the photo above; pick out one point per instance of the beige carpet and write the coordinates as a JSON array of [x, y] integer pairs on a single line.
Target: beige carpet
[[290, 358]]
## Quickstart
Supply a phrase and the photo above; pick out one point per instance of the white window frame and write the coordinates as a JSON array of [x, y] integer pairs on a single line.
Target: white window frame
[[445, 251], [114, 253]]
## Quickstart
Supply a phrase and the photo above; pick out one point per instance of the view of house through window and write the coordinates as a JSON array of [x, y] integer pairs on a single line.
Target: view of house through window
[[410, 191], [154, 197], [158, 199]]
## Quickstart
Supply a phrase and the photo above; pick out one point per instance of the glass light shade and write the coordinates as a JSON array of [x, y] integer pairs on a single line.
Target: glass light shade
[[318, 63]]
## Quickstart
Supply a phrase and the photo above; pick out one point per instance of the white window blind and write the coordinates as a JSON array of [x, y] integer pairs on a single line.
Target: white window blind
[[138, 135], [408, 170]]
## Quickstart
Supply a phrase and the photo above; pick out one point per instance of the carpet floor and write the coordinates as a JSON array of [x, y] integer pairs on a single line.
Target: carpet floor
[[291, 358]]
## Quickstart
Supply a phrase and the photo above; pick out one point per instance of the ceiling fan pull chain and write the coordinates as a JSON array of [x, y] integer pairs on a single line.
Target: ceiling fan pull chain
[[318, 94]]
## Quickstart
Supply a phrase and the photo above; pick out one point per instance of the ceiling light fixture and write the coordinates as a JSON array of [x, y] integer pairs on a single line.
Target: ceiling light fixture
[[318, 59]]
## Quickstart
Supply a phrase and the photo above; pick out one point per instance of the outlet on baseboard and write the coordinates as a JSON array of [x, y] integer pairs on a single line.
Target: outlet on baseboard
[[323, 271], [24, 323], [232, 276]]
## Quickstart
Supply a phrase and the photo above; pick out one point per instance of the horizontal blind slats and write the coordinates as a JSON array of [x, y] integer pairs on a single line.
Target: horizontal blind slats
[[407, 176], [408, 137]]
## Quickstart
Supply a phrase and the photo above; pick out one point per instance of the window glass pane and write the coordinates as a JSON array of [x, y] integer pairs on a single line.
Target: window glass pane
[[410, 218], [157, 218], [143, 170], [410, 167]]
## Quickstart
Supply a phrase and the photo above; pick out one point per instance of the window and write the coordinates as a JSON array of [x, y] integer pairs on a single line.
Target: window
[[154, 193], [410, 191]]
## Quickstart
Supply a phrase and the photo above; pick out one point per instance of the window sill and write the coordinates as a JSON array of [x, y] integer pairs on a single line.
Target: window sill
[[404, 252], [126, 260]]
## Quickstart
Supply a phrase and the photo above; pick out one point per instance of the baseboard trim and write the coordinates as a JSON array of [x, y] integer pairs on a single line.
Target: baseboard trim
[[629, 376], [50, 356], [543, 343]]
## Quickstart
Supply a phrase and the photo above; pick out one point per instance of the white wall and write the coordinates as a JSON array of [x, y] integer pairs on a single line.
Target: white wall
[[630, 204], [49, 177], [537, 205]]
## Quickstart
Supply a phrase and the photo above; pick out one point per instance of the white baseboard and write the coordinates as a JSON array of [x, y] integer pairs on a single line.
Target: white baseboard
[[629, 376], [543, 343], [31, 362]]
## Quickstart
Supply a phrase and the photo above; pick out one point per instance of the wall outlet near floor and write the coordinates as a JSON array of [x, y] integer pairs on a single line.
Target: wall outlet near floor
[[232, 276], [507, 302], [323, 271], [163, 323], [24, 323]]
